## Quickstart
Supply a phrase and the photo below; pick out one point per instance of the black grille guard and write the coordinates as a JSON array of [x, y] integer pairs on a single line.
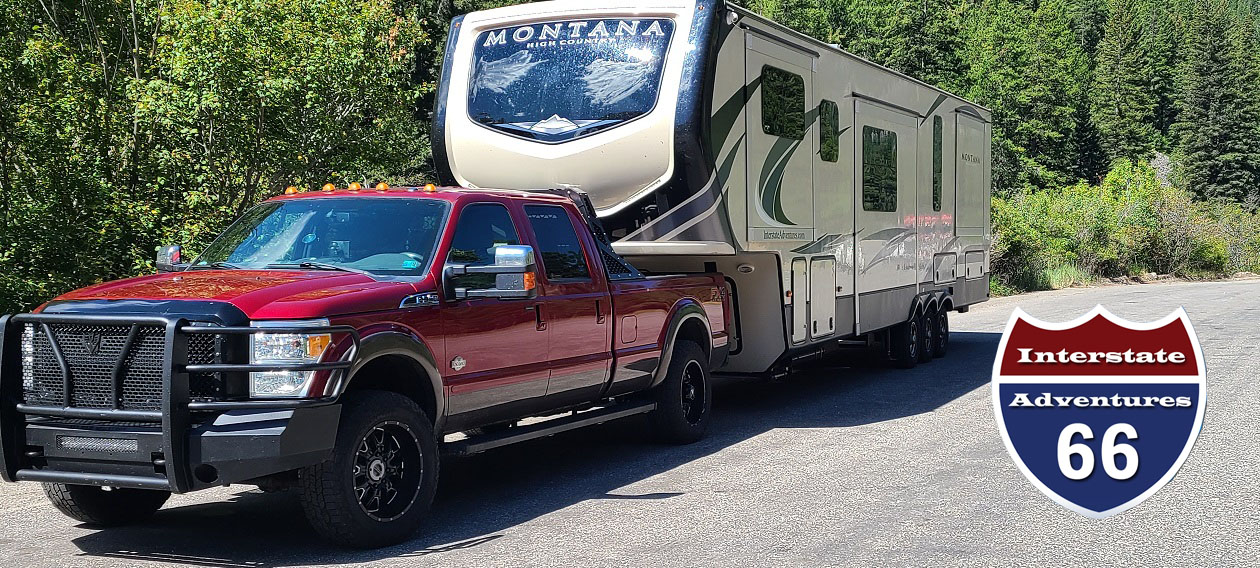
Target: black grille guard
[[175, 416]]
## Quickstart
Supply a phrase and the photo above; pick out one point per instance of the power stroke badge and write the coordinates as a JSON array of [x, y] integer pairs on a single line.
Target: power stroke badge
[[1099, 412]]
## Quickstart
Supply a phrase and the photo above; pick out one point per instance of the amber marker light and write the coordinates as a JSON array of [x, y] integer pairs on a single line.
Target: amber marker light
[[430, 188], [355, 186], [329, 187], [382, 186], [290, 190]]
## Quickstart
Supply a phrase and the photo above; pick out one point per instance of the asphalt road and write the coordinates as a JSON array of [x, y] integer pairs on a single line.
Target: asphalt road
[[838, 466]]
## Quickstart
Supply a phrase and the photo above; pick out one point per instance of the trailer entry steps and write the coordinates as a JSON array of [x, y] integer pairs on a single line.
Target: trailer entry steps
[[483, 442]]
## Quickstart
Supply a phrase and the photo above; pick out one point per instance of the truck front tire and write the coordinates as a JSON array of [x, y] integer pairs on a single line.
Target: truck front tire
[[684, 400], [105, 507], [376, 488]]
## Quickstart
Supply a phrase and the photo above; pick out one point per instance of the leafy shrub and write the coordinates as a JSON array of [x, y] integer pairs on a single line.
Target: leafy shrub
[[1129, 224]]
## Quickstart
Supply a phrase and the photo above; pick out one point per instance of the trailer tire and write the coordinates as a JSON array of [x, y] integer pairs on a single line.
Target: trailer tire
[[684, 400], [903, 343], [927, 335], [941, 345], [100, 507], [382, 440]]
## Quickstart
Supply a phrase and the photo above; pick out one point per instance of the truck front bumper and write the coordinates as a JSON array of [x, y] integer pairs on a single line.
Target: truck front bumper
[[235, 446], [185, 445]]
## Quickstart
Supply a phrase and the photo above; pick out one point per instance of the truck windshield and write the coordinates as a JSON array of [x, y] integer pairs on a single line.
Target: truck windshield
[[556, 81], [382, 236]]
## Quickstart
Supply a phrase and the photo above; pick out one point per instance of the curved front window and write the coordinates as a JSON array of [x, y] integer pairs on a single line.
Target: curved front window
[[556, 81]]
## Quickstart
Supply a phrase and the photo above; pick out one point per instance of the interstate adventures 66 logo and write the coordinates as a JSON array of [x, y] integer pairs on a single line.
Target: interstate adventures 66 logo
[[1099, 412]]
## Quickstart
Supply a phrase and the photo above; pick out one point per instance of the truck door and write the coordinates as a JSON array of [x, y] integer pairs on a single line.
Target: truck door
[[576, 307], [496, 349]]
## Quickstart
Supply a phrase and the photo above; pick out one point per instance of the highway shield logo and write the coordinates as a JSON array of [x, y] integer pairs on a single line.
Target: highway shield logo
[[1099, 412]]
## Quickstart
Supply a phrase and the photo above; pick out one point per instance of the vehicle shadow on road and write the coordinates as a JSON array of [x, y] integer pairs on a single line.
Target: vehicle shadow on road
[[483, 495]]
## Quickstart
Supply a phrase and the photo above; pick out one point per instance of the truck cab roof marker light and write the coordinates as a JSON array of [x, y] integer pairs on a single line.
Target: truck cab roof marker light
[[354, 186], [328, 187], [290, 190]]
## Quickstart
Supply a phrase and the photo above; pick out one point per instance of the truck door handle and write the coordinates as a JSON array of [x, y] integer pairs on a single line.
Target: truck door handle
[[599, 311], [539, 323]]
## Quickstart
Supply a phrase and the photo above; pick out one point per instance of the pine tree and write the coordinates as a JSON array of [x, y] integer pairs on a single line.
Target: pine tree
[[922, 40], [1219, 126], [1123, 106], [1160, 50]]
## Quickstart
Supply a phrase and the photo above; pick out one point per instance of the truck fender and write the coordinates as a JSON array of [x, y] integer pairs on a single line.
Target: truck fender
[[396, 343], [687, 311]]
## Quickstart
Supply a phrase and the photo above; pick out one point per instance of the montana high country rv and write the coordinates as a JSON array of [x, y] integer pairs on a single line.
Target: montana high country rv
[[843, 200]]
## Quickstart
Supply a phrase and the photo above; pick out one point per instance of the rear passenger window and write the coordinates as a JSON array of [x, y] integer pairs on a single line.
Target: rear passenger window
[[829, 134], [879, 169], [782, 103], [481, 227], [562, 255]]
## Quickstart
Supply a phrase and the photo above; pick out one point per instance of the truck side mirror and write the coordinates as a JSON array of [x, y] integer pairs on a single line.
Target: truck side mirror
[[514, 270], [169, 258]]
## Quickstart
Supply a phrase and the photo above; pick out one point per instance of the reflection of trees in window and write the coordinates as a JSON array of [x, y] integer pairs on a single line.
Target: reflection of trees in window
[[829, 134], [879, 169], [782, 103], [558, 243], [938, 161], [482, 226]]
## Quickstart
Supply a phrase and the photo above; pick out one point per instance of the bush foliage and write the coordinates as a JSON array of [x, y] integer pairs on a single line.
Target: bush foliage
[[1131, 223]]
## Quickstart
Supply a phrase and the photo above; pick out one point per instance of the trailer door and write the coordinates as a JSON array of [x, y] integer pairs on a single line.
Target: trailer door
[[781, 118]]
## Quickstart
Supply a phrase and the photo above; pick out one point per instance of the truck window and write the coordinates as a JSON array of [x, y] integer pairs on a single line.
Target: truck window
[[782, 103], [481, 227], [829, 134], [879, 169], [562, 255]]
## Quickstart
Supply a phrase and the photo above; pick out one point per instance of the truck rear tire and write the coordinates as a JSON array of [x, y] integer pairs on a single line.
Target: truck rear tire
[[103, 507], [684, 400], [376, 488], [903, 343]]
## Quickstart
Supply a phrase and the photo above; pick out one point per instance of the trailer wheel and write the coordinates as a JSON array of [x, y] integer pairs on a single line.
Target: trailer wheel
[[376, 488], [942, 333], [684, 400], [927, 335], [903, 343], [105, 507]]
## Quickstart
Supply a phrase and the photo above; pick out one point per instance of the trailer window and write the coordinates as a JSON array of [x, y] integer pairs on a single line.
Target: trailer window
[[879, 169], [562, 254], [482, 226], [557, 81], [782, 103], [829, 134], [938, 161]]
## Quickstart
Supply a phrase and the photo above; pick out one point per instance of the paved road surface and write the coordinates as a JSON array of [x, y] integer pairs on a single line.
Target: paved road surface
[[839, 466]]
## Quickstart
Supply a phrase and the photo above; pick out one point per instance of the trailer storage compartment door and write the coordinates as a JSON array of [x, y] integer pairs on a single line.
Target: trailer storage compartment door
[[822, 297]]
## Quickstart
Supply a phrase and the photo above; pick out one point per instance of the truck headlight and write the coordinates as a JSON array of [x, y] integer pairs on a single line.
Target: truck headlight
[[285, 348]]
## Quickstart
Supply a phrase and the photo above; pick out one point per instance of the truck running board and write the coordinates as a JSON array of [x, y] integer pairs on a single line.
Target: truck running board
[[478, 444]]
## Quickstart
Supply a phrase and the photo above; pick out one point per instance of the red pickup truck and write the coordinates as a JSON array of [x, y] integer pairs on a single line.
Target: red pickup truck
[[339, 341]]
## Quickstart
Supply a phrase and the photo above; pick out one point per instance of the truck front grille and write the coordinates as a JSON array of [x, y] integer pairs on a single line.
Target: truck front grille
[[92, 352]]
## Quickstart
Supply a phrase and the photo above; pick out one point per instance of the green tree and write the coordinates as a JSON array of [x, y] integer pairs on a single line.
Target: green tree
[[126, 125], [922, 40], [1219, 127], [1123, 104]]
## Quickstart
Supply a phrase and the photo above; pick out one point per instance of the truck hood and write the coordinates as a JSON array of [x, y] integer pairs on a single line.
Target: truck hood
[[260, 294]]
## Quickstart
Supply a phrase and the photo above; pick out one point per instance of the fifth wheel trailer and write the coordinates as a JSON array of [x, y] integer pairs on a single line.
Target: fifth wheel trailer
[[842, 199]]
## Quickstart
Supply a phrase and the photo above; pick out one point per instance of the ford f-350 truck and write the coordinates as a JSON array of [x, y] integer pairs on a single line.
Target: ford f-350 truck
[[333, 340]]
